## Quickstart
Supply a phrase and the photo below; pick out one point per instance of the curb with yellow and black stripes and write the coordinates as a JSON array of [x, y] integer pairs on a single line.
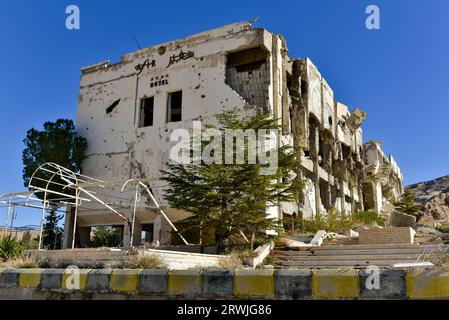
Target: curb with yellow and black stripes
[[224, 284]]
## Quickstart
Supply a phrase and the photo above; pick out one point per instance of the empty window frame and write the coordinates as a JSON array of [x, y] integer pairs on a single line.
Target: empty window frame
[[146, 112], [174, 103], [247, 60]]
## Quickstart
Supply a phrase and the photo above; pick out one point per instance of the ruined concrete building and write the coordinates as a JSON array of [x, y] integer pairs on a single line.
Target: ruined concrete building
[[383, 179], [127, 111]]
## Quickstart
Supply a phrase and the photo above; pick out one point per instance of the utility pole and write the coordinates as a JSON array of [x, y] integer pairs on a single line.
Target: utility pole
[[13, 217]]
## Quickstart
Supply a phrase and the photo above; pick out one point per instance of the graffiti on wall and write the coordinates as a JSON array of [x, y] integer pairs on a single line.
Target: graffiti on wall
[[147, 64], [179, 57]]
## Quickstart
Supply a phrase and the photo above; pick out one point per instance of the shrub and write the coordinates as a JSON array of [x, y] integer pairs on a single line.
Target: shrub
[[28, 242], [337, 222], [10, 248], [333, 221], [368, 217]]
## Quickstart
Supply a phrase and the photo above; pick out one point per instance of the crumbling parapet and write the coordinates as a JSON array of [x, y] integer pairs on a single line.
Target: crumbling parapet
[[383, 179]]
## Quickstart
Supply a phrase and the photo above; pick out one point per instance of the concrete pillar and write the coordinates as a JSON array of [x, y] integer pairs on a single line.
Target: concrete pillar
[[328, 194], [351, 189], [137, 238], [126, 235], [338, 204], [68, 228], [360, 191], [162, 230], [377, 196], [342, 196], [84, 237], [314, 149]]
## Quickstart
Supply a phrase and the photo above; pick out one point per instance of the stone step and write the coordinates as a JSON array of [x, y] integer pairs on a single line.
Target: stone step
[[339, 263], [351, 252], [348, 257], [364, 246]]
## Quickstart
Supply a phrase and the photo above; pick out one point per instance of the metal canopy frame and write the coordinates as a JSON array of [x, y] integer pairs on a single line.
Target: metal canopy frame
[[75, 186]]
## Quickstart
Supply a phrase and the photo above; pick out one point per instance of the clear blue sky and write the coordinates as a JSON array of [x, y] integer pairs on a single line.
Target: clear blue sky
[[398, 74]]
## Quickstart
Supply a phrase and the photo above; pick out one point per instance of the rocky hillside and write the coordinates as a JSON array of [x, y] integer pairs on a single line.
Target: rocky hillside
[[434, 194]]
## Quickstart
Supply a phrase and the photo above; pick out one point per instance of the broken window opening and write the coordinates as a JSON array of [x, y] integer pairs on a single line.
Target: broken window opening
[[303, 86], [112, 106], [146, 112], [175, 106], [248, 74], [289, 80], [247, 60]]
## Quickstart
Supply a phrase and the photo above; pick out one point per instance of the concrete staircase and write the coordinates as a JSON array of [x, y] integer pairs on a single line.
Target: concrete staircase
[[108, 257], [352, 256], [184, 260]]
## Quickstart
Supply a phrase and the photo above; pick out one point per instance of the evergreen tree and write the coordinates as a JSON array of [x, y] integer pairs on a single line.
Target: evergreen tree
[[52, 233], [407, 204], [59, 143], [106, 237], [28, 242], [233, 198]]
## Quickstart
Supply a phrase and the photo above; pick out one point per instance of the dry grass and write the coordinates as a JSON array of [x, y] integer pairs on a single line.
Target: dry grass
[[440, 258], [23, 262], [233, 260], [149, 261]]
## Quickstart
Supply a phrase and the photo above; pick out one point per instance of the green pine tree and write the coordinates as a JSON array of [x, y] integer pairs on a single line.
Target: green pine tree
[[58, 142], [233, 198], [407, 204], [52, 233], [106, 237]]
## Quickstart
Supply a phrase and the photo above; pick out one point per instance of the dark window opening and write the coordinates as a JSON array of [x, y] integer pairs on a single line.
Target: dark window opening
[[330, 120], [175, 106], [247, 60], [146, 112], [148, 232], [112, 106], [289, 80], [303, 87], [321, 151]]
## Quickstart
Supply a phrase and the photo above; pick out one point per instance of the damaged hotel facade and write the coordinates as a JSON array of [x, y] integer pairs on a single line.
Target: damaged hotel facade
[[127, 110]]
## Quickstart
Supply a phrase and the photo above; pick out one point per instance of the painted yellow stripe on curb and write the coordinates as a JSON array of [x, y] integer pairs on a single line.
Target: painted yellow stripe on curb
[[335, 284], [184, 281], [254, 283], [428, 285], [30, 278], [124, 280], [75, 279]]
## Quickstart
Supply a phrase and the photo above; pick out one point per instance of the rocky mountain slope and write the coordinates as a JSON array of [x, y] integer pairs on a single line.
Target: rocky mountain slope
[[434, 194]]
